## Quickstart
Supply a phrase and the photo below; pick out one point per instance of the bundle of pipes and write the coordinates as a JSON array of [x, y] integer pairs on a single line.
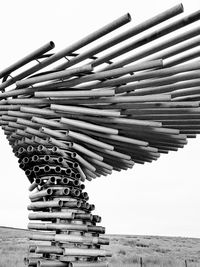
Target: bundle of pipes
[[57, 196], [97, 110]]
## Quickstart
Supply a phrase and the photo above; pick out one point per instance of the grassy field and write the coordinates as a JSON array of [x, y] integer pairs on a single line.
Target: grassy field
[[127, 250]]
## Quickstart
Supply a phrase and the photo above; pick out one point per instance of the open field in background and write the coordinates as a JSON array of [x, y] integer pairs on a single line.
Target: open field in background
[[127, 250]]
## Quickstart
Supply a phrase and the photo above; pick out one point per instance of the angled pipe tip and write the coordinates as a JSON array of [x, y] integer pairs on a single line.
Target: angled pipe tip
[[51, 44]]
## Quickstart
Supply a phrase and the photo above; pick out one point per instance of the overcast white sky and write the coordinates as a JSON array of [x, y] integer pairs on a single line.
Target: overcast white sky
[[161, 198]]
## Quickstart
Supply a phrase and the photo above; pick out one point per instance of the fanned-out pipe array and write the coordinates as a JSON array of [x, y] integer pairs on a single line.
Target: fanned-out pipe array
[[92, 111]]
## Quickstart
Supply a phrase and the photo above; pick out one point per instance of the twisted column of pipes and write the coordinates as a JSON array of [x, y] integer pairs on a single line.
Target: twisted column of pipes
[[61, 206]]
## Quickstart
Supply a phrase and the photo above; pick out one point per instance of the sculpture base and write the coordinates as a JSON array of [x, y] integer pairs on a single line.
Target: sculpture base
[[63, 230]]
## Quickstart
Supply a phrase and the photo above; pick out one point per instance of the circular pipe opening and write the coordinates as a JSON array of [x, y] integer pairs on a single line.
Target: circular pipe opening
[[87, 206], [46, 157], [85, 194], [72, 175], [21, 165], [35, 158], [66, 191], [60, 160], [77, 192], [28, 172], [40, 148], [68, 171], [78, 204], [73, 155], [49, 191], [52, 44], [58, 169], [54, 149], [78, 176], [75, 183], [60, 203], [38, 181], [36, 168], [52, 179], [47, 168], [82, 186], [75, 165], [21, 150], [129, 16], [30, 149], [25, 160], [92, 206], [65, 180]]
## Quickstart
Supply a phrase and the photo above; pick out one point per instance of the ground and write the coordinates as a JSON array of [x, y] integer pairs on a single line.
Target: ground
[[127, 250]]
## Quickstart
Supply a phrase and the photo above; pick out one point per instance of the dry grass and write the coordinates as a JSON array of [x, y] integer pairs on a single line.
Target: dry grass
[[127, 250], [155, 251]]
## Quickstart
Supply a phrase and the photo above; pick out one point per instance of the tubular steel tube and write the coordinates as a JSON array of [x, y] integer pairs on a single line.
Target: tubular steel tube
[[86, 252], [80, 239], [149, 37], [88, 126], [74, 94], [86, 151], [167, 72], [145, 75], [37, 111], [54, 263], [102, 75], [41, 193], [48, 249], [55, 134], [89, 140], [66, 227], [177, 48], [47, 204], [52, 215], [156, 48], [42, 237], [125, 35], [182, 58], [34, 55], [84, 110], [163, 85], [33, 186], [88, 39], [89, 264], [53, 76]]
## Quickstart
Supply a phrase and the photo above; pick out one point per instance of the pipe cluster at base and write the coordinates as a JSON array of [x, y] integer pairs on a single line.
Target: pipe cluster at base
[[63, 230]]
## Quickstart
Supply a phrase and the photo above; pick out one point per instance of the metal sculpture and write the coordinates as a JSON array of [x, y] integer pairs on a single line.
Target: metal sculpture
[[94, 113]]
